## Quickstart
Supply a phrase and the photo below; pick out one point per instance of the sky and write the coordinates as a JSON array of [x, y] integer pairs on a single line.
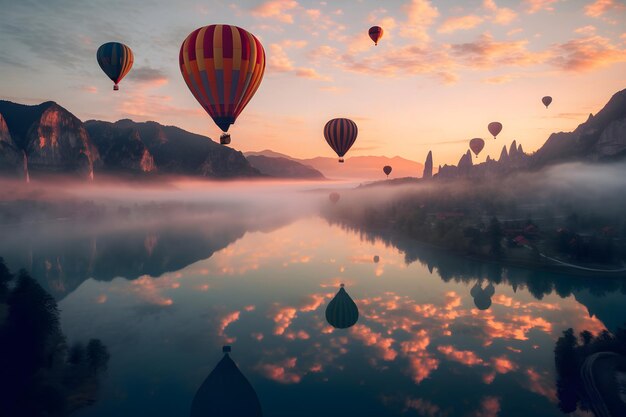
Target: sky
[[442, 71]]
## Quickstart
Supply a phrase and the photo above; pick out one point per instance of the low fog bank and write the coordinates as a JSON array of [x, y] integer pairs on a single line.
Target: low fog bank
[[574, 186], [66, 232], [566, 217], [136, 202]]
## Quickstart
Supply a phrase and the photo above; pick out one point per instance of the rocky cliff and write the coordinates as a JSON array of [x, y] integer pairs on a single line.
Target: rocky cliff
[[428, 166], [51, 138], [10, 155], [151, 147], [46, 138]]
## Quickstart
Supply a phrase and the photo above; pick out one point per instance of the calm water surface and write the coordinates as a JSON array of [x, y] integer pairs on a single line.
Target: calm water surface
[[165, 296]]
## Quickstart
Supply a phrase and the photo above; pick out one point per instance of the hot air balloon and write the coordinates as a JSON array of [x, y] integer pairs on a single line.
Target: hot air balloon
[[546, 101], [495, 128], [340, 135], [387, 170], [482, 296], [342, 312], [376, 32], [334, 197], [476, 145], [115, 59], [223, 67], [226, 392], [376, 259]]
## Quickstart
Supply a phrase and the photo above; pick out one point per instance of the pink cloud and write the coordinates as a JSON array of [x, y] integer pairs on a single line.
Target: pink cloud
[[500, 15], [424, 407], [542, 384], [489, 407], [421, 14], [465, 357], [503, 365], [586, 30], [313, 302], [534, 6], [276, 9], [421, 366], [283, 318], [600, 7], [225, 321], [585, 54], [371, 338], [281, 372], [487, 53], [453, 24]]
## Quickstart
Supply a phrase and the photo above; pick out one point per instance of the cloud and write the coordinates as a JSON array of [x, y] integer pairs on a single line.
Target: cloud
[[279, 60], [421, 14], [487, 53], [514, 31], [281, 372], [276, 9], [534, 6], [92, 89], [501, 79], [500, 15], [147, 75], [424, 407], [371, 338], [311, 73], [585, 54], [586, 30], [403, 61], [452, 24], [283, 318], [489, 407], [600, 7], [465, 357]]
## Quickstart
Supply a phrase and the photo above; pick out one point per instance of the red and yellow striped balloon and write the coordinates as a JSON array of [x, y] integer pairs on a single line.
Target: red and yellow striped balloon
[[223, 67], [340, 135]]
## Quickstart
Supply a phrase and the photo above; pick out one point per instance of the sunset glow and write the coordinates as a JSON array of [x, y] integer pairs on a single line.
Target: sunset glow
[[439, 75]]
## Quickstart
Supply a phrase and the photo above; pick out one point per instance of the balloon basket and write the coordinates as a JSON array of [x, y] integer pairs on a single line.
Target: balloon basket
[[116, 87], [341, 160], [225, 139]]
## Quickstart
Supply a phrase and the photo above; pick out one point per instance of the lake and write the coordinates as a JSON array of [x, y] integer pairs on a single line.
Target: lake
[[437, 334]]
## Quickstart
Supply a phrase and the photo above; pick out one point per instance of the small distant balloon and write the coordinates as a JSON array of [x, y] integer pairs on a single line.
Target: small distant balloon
[[495, 128], [387, 170], [477, 145], [116, 60], [342, 311], [376, 259], [340, 135], [334, 197], [376, 32], [546, 101]]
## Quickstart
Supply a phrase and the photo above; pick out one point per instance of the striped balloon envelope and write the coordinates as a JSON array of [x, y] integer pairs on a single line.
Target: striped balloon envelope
[[340, 135], [342, 311], [223, 66], [116, 60]]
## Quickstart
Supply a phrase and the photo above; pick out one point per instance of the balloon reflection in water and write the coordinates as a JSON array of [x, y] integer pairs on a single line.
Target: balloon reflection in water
[[342, 311], [482, 296], [226, 392]]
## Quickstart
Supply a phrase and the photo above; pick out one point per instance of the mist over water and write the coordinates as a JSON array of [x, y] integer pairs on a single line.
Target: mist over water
[[166, 273]]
